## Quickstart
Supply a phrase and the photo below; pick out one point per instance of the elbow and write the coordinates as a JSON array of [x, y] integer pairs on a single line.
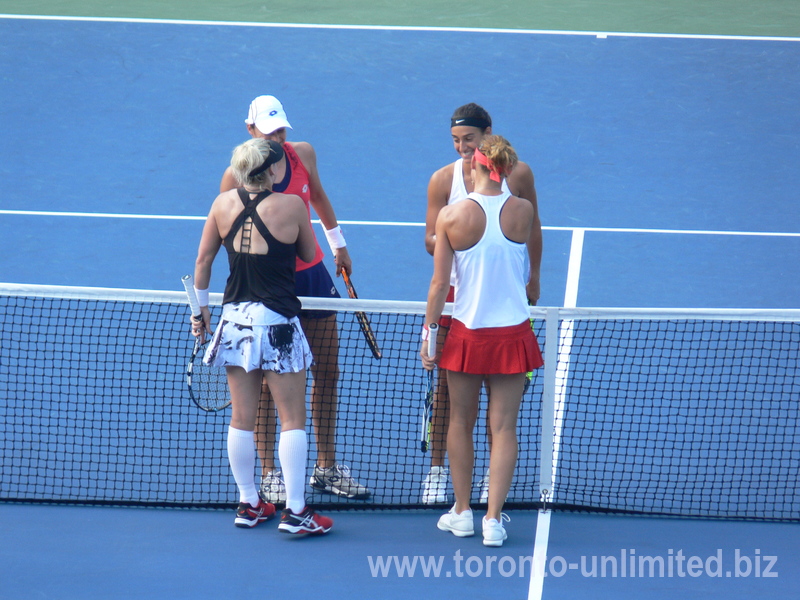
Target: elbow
[[430, 243], [439, 287], [204, 262]]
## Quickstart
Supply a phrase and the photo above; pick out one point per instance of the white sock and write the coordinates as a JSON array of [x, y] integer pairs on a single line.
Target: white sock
[[293, 454], [242, 457]]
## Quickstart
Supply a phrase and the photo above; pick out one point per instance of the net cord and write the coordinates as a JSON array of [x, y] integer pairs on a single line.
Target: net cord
[[413, 307]]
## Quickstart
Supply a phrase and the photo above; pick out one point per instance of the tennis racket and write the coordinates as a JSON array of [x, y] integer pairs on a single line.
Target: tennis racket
[[529, 374], [208, 388], [363, 321], [427, 407]]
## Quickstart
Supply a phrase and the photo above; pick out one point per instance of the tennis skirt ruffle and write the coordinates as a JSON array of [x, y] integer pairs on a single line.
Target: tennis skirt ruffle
[[279, 348], [491, 350]]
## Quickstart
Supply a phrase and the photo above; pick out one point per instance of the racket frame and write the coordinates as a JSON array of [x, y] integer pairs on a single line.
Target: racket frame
[[363, 321], [427, 407], [198, 350]]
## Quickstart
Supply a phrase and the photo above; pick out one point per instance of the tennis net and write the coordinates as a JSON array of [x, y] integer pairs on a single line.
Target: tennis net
[[682, 413]]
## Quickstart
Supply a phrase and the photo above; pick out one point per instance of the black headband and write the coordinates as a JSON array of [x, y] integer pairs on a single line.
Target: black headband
[[274, 156], [481, 124]]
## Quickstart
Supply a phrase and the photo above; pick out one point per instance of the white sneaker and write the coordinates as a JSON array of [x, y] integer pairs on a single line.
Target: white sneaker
[[272, 488], [434, 488], [494, 534], [485, 488], [460, 525]]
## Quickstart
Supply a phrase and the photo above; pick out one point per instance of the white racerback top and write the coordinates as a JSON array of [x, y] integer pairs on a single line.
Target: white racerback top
[[490, 276]]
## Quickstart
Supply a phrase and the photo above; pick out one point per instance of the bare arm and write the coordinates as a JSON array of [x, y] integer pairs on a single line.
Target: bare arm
[[440, 282], [521, 184], [228, 181], [305, 245], [210, 242], [322, 204], [438, 192]]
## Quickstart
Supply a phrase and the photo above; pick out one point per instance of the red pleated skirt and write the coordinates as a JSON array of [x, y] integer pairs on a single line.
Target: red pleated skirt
[[491, 350]]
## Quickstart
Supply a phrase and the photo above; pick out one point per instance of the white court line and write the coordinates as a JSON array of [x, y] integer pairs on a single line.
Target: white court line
[[44, 213], [597, 34], [561, 376], [48, 213]]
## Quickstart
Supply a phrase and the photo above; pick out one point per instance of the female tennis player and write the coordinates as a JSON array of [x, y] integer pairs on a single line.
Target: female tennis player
[[469, 125], [484, 240], [296, 173], [259, 335]]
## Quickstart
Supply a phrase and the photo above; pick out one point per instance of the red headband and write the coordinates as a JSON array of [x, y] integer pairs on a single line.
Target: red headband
[[495, 173]]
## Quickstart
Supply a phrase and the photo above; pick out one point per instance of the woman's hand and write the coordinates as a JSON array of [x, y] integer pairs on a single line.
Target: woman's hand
[[202, 324]]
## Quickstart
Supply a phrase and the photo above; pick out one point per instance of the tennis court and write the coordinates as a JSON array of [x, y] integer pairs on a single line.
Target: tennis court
[[666, 174]]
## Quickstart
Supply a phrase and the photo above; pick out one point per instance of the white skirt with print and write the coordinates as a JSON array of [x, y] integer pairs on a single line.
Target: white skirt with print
[[251, 336]]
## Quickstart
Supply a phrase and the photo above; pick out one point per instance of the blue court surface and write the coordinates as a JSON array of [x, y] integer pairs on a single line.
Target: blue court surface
[[666, 170]]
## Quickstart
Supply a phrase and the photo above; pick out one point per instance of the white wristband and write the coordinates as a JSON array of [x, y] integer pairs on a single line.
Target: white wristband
[[202, 296], [426, 333], [335, 238]]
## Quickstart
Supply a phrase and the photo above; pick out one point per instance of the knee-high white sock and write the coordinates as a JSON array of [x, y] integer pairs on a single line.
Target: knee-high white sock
[[242, 457], [293, 453]]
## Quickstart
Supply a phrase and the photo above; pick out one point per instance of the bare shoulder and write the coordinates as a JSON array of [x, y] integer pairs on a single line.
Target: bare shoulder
[[305, 151], [443, 177], [439, 185], [462, 213], [225, 205], [521, 175], [288, 204], [521, 207], [521, 183], [227, 198], [228, 181]]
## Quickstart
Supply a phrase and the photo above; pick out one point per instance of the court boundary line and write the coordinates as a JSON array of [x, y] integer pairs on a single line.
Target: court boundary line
[[557, 365], [596, 34], [44, 213]]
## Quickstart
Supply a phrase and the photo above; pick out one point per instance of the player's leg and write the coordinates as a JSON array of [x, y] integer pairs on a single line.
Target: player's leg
[[464, 392], [245, 389], [272, 488], [288, 391], [503, 409], [329, 475], [323, 337]]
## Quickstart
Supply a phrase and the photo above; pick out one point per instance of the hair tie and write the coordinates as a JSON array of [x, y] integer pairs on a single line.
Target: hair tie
[[494, 172]]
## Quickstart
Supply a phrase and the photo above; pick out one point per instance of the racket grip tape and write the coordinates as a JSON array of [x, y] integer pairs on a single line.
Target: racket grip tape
[[433, 328]]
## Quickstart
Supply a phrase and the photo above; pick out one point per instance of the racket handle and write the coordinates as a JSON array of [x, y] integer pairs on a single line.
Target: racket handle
[[188, 284], [433, 328], [351, 291]]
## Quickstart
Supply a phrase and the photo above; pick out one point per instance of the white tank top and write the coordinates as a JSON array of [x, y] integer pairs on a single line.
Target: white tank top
[[458, 192], [491, 275]]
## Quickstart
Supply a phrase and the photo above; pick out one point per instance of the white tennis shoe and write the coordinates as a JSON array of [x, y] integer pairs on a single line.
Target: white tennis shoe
[[460, 525], [494, 534], [434, 488]]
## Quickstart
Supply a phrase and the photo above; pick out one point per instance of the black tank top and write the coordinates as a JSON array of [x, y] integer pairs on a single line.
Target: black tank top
[[266, 278]]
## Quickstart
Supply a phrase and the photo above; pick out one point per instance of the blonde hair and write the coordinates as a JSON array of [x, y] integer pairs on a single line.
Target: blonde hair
[[500, 153], [249, 156]]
